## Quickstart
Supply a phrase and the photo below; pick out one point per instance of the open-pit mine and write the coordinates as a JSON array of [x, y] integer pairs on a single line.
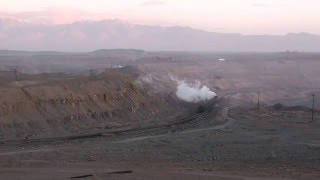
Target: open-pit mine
[[133, 114]]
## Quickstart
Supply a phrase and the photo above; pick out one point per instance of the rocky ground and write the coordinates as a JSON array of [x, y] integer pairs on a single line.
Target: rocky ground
[[128, 123], [245, 143]]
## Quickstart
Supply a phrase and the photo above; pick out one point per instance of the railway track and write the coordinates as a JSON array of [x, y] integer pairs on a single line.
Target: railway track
[[188, 118]]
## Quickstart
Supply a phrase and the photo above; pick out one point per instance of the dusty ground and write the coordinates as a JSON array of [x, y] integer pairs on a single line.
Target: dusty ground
[[231, 139], [254, 145]]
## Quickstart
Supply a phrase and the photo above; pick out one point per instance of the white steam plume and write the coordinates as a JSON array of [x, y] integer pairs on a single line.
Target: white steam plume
[[193, 92]]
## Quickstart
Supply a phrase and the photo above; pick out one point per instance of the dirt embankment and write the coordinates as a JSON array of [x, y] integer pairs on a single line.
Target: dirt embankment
[[76, 106]]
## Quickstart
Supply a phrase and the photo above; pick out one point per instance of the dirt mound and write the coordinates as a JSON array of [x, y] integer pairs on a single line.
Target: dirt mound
[[133, 71], [281, 107], [118, 52], [278, 106], [76, 106]]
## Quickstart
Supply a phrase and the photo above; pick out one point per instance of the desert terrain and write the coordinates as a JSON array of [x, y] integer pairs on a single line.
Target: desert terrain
[[119, 114]]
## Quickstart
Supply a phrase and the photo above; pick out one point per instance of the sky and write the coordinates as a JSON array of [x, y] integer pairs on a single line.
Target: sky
[[226, 16]]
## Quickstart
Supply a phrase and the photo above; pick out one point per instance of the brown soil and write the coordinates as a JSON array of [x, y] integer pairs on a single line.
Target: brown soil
[[57, 126]]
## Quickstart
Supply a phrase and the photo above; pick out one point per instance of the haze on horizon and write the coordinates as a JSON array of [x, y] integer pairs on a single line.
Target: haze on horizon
[[228, 16]]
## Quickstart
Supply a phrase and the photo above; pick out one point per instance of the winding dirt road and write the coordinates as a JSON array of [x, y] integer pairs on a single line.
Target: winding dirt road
[[228, 122]]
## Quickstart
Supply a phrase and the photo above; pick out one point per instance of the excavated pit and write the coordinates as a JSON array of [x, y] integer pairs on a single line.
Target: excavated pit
[[78, 106]]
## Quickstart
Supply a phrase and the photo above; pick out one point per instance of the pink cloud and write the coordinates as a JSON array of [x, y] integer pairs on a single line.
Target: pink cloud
[[153, 3], [54, 15]]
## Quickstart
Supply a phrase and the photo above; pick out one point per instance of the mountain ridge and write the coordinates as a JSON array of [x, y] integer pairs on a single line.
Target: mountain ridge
[[116, 34]]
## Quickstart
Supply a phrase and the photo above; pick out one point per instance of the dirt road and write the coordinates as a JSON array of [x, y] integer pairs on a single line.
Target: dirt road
[[244, 148]]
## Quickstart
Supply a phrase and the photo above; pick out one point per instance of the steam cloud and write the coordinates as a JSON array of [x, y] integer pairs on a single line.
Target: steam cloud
[[193, 92]]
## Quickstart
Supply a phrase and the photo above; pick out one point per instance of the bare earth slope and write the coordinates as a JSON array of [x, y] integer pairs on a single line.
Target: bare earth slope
[[74, 106]]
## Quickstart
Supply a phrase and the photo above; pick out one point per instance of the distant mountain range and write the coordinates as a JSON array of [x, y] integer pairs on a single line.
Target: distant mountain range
[[113, 34], [97, 53]]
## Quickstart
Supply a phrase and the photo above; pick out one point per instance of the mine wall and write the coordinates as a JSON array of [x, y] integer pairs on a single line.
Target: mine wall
[[75, 107]]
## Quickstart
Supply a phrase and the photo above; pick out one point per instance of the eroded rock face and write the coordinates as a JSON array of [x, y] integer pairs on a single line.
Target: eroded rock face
[[75, 106]]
